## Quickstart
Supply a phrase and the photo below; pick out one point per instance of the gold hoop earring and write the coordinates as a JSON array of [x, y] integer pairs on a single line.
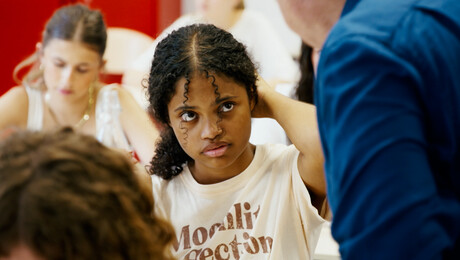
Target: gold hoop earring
[[91, 93]]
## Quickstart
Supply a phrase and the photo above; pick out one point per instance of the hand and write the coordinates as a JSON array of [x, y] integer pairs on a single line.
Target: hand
[[264, 91], [128, 154]]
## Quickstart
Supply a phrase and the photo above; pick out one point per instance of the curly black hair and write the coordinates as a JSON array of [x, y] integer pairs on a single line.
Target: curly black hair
[[201, 48]]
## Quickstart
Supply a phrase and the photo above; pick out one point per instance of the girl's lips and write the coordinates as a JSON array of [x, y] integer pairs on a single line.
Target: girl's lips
[[216, 152], [65, 91]]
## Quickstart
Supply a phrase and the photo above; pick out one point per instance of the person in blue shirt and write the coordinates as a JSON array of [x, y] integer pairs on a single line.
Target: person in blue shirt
[[388, 102]]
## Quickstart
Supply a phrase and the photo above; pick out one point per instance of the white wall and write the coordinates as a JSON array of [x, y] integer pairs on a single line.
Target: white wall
[[273, 13], [187, 6]]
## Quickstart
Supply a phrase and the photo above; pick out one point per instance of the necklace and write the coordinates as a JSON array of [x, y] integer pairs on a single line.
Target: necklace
[[86, 113]]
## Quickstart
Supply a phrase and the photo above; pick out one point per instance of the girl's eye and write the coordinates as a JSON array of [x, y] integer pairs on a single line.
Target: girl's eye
[[82, 70], [227, 107], [188, 116], [59, 64]]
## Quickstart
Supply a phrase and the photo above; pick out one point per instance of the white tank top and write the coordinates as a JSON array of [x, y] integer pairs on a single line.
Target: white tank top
[[35, 114], [37, 107]]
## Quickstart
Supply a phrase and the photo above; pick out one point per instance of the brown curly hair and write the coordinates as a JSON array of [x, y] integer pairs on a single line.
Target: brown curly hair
[[66, 196]]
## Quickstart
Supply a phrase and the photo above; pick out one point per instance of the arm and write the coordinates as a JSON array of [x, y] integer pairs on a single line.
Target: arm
[[298, 119], [14, 107], [139, 128]]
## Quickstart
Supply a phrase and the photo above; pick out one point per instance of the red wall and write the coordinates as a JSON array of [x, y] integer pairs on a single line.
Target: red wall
[[21, 25], [23, 21], [168, 11]]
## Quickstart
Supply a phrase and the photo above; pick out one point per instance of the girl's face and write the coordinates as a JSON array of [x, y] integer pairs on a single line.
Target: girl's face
[[70, 67], [213, 129]]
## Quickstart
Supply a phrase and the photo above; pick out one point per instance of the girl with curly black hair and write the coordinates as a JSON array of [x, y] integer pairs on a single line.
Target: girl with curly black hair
[[225, 197]]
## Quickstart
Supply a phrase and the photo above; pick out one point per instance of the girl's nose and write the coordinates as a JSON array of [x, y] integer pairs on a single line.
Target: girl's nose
[[211, 129], [66, 77]]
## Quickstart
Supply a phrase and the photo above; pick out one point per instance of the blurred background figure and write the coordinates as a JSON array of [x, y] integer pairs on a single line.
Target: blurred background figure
[[66, 196], [124, 45], [62, 87], [276, 64]]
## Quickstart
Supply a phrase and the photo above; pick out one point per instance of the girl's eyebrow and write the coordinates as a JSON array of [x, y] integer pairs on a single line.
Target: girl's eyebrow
[[217, 101], [185, 107], [80, 64], [223, 99]]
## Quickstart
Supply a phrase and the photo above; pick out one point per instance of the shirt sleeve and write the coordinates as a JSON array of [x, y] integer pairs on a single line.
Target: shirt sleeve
[[381, 187]]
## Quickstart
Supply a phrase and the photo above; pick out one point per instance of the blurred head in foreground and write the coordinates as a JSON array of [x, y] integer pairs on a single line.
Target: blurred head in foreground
[[66, 196]]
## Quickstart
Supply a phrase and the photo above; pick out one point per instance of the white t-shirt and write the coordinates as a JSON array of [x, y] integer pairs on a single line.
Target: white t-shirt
[[265, 212]]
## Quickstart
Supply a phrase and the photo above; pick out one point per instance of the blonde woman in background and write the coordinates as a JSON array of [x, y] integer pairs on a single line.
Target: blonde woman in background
[[62, 87]]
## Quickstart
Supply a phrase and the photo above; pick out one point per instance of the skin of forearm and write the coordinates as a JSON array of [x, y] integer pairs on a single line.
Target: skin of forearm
[[298, 119]]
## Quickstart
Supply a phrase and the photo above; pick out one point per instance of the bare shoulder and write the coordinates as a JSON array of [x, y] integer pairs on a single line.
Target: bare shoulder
[[17, 92], [16, 102], [126, 98]]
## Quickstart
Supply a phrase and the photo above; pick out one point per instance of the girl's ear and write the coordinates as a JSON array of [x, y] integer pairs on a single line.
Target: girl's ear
[[252, 103], [39, 50], [104, 61]]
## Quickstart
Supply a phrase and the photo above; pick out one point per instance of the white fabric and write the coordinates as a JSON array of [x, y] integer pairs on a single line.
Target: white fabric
[[265, 46], [267, 130], [36, 109], [265, 212], [123, 46], [109, 130]]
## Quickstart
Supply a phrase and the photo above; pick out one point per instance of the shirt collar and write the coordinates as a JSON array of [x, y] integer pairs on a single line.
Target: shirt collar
[[349, 6]]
